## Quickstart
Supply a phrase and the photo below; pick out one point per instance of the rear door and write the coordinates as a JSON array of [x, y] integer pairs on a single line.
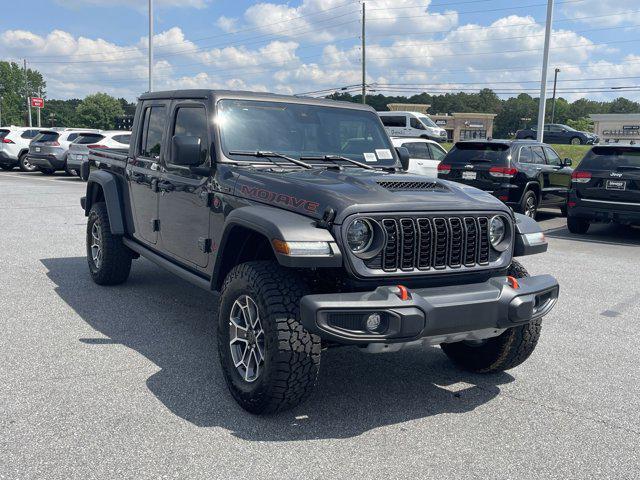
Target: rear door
[[549, 194], [559, 175], [143, 170], [184, 194]]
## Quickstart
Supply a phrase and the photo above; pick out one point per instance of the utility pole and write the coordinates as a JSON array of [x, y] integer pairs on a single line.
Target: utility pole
[[553, 107], [364, 57], [0, 110], [26, 90], [150, 45], [39, 96], [545, 64]]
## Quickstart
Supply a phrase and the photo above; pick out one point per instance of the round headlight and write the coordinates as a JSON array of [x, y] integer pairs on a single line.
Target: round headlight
[[497, 229], [359, 235]]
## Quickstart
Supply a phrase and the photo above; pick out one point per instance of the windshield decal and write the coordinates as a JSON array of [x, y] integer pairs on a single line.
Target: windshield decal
[[279, 198], [370, 157], [384, 154]]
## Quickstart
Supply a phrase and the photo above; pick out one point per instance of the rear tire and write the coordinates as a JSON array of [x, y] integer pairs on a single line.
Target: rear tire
[[24, 164], [529, 204], [578, 225], [503, 352], [280, 371], [109, 259], [563, 210]]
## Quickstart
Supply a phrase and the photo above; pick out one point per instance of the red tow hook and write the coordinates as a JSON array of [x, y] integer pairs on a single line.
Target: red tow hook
[[403, 293], [513, 282]]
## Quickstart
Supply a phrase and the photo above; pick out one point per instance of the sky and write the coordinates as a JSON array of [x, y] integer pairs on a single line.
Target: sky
[[85, 46]]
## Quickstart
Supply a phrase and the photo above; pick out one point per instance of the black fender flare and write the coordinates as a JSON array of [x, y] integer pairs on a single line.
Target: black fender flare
[[108, 182], [278, 224], [527, 237]]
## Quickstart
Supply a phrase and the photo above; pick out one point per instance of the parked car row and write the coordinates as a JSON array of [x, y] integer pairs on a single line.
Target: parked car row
[[559, 134], [53, 149]]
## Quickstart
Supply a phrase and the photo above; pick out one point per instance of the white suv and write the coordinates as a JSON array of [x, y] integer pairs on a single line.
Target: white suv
[[14, 145]]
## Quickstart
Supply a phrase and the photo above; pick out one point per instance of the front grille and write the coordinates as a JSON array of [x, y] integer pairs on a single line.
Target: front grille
[[434, 243]]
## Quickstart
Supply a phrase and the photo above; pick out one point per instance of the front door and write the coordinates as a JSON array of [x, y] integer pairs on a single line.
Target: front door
[[143, 171], [184, 194]]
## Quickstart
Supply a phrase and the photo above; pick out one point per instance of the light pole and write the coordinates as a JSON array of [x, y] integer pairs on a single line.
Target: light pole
[[0, 110], [545, 63], [150, 45], [553, 105]]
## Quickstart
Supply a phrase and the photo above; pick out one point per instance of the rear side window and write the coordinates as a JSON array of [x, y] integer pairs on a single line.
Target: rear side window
[[46, 137], [192, 121], [88, 138], [418, 150], [152, 130], [494, 153], [124, 139], [72, 137], [610, 158], [4, 133], [394, 121], [525, 155], [29, 133]]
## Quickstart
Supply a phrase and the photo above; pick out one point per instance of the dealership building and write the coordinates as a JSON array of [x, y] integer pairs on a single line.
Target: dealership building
[[616, 126], [459, 126]]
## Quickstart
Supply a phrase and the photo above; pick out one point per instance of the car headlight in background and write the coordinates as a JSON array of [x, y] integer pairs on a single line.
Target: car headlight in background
[[359, 235], [497, 231]]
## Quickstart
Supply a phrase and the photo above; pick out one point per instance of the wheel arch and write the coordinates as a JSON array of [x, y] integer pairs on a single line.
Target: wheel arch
[[103, 186]]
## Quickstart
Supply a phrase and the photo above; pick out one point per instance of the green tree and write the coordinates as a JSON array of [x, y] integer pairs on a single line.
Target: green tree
[[583, 124], [15, 86], [99, 111]]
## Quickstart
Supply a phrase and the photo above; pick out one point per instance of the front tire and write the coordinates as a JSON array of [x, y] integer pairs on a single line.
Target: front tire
[[503, 352], [577, 225], [109, 259], [575, 141], [269, 361]]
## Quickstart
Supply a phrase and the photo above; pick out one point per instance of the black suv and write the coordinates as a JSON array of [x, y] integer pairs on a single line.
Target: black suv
[[525, 175], [558, 133], [298, 212], [605, 188]]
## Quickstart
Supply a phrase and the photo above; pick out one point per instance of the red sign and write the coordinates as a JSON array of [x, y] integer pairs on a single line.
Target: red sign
[[37, 102]]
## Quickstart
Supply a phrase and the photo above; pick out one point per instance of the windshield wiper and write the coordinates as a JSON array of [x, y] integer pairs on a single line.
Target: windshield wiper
[[333, 158], [269, 155]]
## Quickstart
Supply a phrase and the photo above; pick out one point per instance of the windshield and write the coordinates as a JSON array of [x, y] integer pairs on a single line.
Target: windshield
[[611, 158], [299, 130], [496, 153], [427, 121]]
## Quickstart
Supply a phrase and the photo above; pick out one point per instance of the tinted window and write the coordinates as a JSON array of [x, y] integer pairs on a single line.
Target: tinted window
[[495, 153], [525, 155], [418, 150], [389, 121], [3, 133], [537, 156], [29, 133], [46, 137], [415, 123], [193, 122], [124, 139], [552, 157], [72, 137], [610, 158], [152, 130], [436, 152], [88, 138]]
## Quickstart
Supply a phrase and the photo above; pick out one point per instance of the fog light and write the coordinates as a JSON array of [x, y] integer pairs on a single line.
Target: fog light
[[373, 322]]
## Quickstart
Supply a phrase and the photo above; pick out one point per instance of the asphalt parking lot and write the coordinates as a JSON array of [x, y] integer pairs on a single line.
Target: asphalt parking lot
[[123, 382]]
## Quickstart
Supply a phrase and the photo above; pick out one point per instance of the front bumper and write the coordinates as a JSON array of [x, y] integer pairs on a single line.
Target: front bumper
[[6, 159], [46, 160], [428, 312]]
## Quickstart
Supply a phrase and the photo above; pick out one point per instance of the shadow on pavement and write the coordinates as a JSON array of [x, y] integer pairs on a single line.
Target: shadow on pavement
[[171, 323], [608, 234]]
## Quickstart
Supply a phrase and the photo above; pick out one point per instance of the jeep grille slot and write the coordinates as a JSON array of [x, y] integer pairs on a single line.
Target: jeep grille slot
[[395, 186], [438, 243]]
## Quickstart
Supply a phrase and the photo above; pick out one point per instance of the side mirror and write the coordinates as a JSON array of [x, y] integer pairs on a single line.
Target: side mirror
[[403, 153], [568, 162], [185, 151]]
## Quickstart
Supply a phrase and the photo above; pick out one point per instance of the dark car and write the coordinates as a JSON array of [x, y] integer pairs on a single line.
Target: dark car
[[558, 133], [525, 175], [298, 212], [605, 188]]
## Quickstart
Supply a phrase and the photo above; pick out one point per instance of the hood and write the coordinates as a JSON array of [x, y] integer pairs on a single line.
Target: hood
[[353, 190]]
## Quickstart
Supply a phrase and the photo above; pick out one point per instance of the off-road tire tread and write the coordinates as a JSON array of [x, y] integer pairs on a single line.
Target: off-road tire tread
[[296, 362], [116, 260], [504, 352]]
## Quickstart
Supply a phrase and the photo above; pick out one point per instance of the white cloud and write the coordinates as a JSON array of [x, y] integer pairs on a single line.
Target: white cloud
[[605, 14]]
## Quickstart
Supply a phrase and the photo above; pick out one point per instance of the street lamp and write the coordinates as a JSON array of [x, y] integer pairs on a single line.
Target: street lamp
[[555, 81]]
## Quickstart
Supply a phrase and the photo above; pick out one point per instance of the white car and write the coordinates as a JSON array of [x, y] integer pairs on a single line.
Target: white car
[[48, 150], [424, 155], [14, 146], [412, 124], [79, 148]]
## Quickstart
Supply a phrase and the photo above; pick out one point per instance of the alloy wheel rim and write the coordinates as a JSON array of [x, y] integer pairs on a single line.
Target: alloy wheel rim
[[96, 245], [246, 338], [530, 207]]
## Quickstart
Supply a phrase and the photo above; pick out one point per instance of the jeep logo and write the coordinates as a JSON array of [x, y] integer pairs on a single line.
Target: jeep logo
[[615, 174], [468, 166], [281, 198]]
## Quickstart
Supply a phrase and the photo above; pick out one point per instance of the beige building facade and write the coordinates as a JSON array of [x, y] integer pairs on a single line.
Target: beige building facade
[[616, 126]]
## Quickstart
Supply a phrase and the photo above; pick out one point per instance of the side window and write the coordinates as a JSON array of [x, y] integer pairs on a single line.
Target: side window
[[72, 137], [436, 153], [192, 121], [525, 155], [555, 129], [394, 121], [552, 157], [124, 139], [418, 150], [537, 156], [415, 123], [152, 130]]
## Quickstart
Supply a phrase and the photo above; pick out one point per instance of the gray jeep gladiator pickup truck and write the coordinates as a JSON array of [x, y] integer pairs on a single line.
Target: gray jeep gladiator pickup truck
[[301, 214]]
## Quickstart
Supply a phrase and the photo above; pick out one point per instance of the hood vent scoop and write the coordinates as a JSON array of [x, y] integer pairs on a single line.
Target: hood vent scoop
[[396, 186]]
